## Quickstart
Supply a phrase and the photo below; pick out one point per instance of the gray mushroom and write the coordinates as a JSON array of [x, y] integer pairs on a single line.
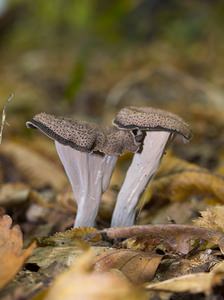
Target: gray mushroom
[[155, 127], [88, 154]]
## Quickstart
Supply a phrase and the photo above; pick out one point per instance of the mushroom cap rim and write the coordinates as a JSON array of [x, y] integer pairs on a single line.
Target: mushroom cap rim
[[54, 136], [151, 128]]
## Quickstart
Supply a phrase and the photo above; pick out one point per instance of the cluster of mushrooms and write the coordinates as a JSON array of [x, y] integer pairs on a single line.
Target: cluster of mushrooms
[[89, 153]]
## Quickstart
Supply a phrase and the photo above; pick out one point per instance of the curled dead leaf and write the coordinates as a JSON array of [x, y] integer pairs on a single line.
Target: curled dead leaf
[[12, 256], [137, 266], [180, 239]]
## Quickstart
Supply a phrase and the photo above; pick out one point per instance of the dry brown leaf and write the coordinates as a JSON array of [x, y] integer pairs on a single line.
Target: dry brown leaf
[[212, 218], [178, 179], [79, 282], [180, 239], [37, 170], [192, 283], [12, 256], [137, 266], [175, 266]]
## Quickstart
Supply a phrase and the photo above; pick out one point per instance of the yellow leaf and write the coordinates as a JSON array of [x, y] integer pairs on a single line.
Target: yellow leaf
[[178, 179], [212, 218], [193, 283]]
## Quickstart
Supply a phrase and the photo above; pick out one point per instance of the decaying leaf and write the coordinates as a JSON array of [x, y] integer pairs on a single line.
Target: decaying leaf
[[175, 266], [192, 283], [180, 239], [62, 247], [137, 266], [12, 256], [178, 179], [212, 218], [80, 282], [69, 237], [34, 168]]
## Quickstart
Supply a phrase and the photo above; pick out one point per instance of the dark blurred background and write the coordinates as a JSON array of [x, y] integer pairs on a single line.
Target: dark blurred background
[[89, 58]]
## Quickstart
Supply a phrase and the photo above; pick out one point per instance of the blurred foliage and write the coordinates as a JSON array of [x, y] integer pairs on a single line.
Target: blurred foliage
[[73, 40], [121, 20], [90, 32]]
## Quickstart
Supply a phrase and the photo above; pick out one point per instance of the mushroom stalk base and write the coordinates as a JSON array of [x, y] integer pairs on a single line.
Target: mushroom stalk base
[[143, 167], [89, 175]]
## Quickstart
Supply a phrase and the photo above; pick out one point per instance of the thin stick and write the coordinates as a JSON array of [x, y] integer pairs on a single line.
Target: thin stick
[[4, 116]]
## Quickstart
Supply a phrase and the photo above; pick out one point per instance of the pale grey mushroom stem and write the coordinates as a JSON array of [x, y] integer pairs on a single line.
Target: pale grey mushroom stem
[[143, 167], [89, 175]]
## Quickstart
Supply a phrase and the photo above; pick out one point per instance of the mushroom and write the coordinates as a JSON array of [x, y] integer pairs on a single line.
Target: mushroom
[[153, 128], [88, 154]]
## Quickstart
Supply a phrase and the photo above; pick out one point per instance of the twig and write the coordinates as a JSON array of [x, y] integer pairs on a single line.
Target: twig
[[4, 116]]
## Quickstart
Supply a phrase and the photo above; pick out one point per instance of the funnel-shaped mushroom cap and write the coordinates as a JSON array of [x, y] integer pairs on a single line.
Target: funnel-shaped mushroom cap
[[79, 135], [83, 136], [151, 119]]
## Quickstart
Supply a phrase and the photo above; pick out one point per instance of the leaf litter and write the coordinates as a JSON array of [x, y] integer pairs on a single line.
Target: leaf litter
[[12, 256], [136, 255], [140, 262]]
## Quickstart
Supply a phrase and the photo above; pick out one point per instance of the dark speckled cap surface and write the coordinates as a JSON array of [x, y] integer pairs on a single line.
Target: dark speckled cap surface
[[148, 118], [83, 136], [76, 134]]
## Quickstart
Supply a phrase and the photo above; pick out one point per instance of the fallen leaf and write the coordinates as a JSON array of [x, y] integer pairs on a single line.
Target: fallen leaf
[[80, 282], [13, 193], [63, 247], [171, 164], [180, 239], [12, 256], [211, 218], [192, 283], [70, 237], [177, 180], [218, 268], [37, 170], [175, 266], [137, 266]]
